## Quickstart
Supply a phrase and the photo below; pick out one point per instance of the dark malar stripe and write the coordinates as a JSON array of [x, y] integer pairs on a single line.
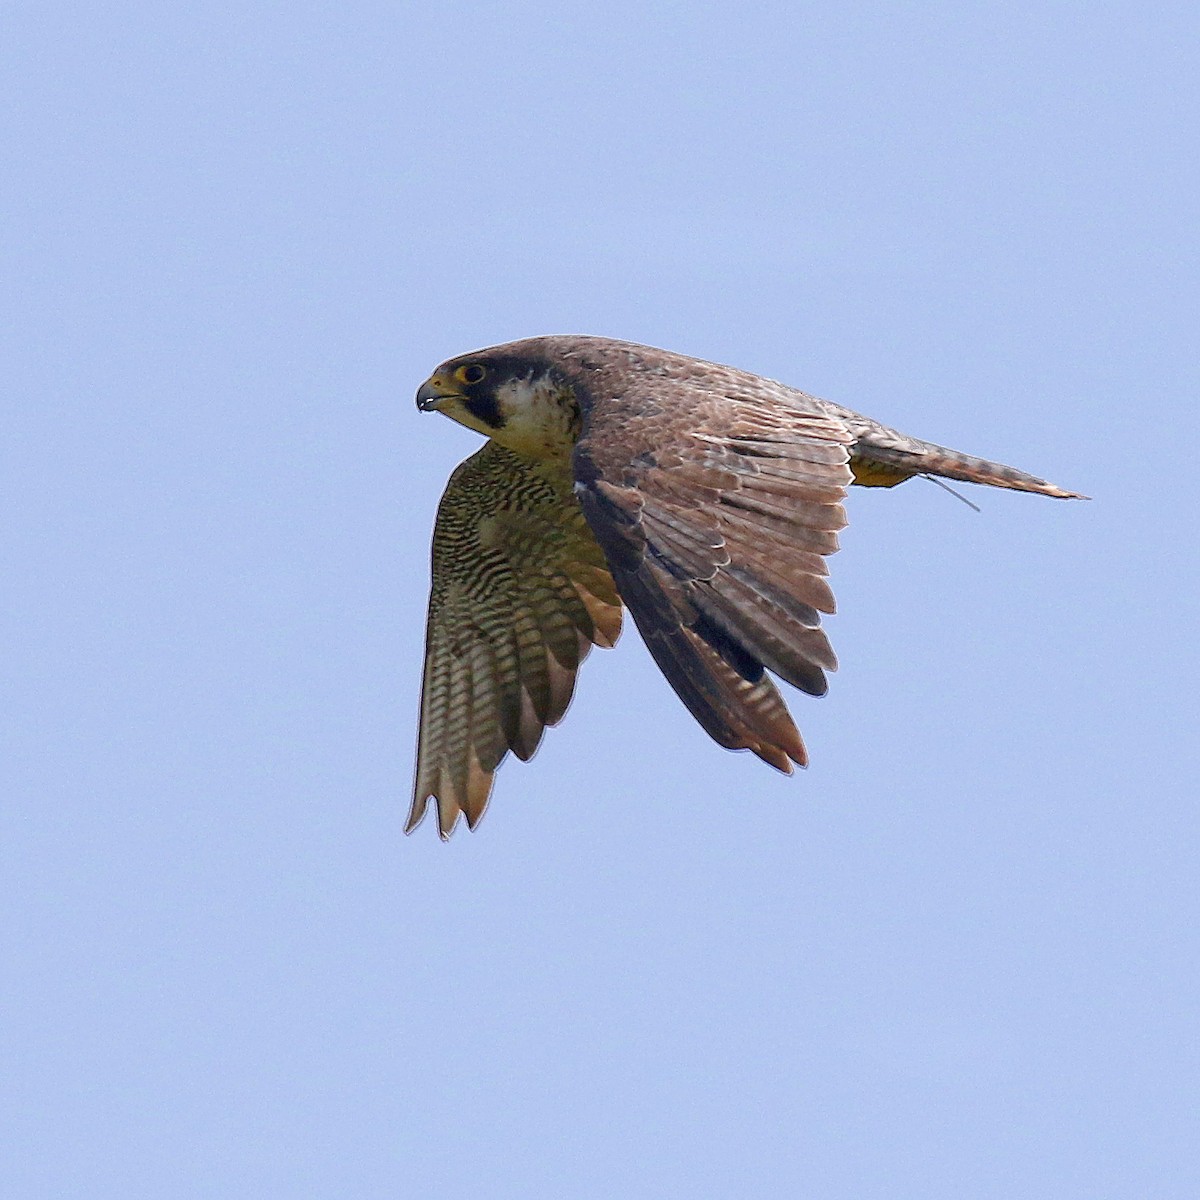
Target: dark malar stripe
[[484, 407]]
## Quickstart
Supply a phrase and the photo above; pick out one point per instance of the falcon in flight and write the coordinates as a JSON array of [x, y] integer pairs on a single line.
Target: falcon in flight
[[703, 498]]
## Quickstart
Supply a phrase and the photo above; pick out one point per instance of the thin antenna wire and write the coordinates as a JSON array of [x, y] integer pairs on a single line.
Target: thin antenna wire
[[947, 488]]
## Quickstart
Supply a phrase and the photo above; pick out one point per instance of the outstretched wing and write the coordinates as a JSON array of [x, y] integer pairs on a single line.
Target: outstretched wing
[[715, 513], [520, 593]]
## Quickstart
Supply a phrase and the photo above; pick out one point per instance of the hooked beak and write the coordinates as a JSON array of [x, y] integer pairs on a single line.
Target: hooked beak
[[433, 391]]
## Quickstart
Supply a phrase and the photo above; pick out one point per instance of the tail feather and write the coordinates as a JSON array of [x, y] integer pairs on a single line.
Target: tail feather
[[880, 465]]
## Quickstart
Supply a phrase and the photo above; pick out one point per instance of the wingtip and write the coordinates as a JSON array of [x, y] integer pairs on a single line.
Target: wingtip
[[789, 753], [416, 814], [447, 824]]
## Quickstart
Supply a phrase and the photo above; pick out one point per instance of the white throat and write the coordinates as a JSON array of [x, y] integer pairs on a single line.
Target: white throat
[[541, 418]]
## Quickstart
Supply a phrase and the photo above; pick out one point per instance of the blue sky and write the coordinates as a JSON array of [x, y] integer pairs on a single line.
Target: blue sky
[[954, 958]]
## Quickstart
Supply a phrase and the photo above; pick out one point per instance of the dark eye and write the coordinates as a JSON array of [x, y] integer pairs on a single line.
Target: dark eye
[[471, 373]]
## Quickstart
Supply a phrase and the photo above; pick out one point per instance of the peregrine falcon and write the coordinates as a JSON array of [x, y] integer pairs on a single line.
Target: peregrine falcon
[[703, 498]]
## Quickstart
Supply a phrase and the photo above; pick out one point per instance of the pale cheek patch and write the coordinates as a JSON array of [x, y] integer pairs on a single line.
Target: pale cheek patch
[[540, 418]]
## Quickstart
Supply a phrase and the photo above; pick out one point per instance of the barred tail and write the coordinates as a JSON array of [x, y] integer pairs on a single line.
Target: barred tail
[[877, 465]]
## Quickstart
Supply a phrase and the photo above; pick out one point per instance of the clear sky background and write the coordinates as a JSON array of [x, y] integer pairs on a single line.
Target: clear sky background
[[955, 958]]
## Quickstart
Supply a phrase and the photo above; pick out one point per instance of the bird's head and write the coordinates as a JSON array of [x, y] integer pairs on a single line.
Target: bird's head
[[511, 394]]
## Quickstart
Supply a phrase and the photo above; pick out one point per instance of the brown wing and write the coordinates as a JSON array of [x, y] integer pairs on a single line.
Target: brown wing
[[520, 593], [715, 513]]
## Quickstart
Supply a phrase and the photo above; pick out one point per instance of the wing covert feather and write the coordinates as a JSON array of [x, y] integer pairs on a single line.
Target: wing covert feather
[[520, 593], [716, 508]]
